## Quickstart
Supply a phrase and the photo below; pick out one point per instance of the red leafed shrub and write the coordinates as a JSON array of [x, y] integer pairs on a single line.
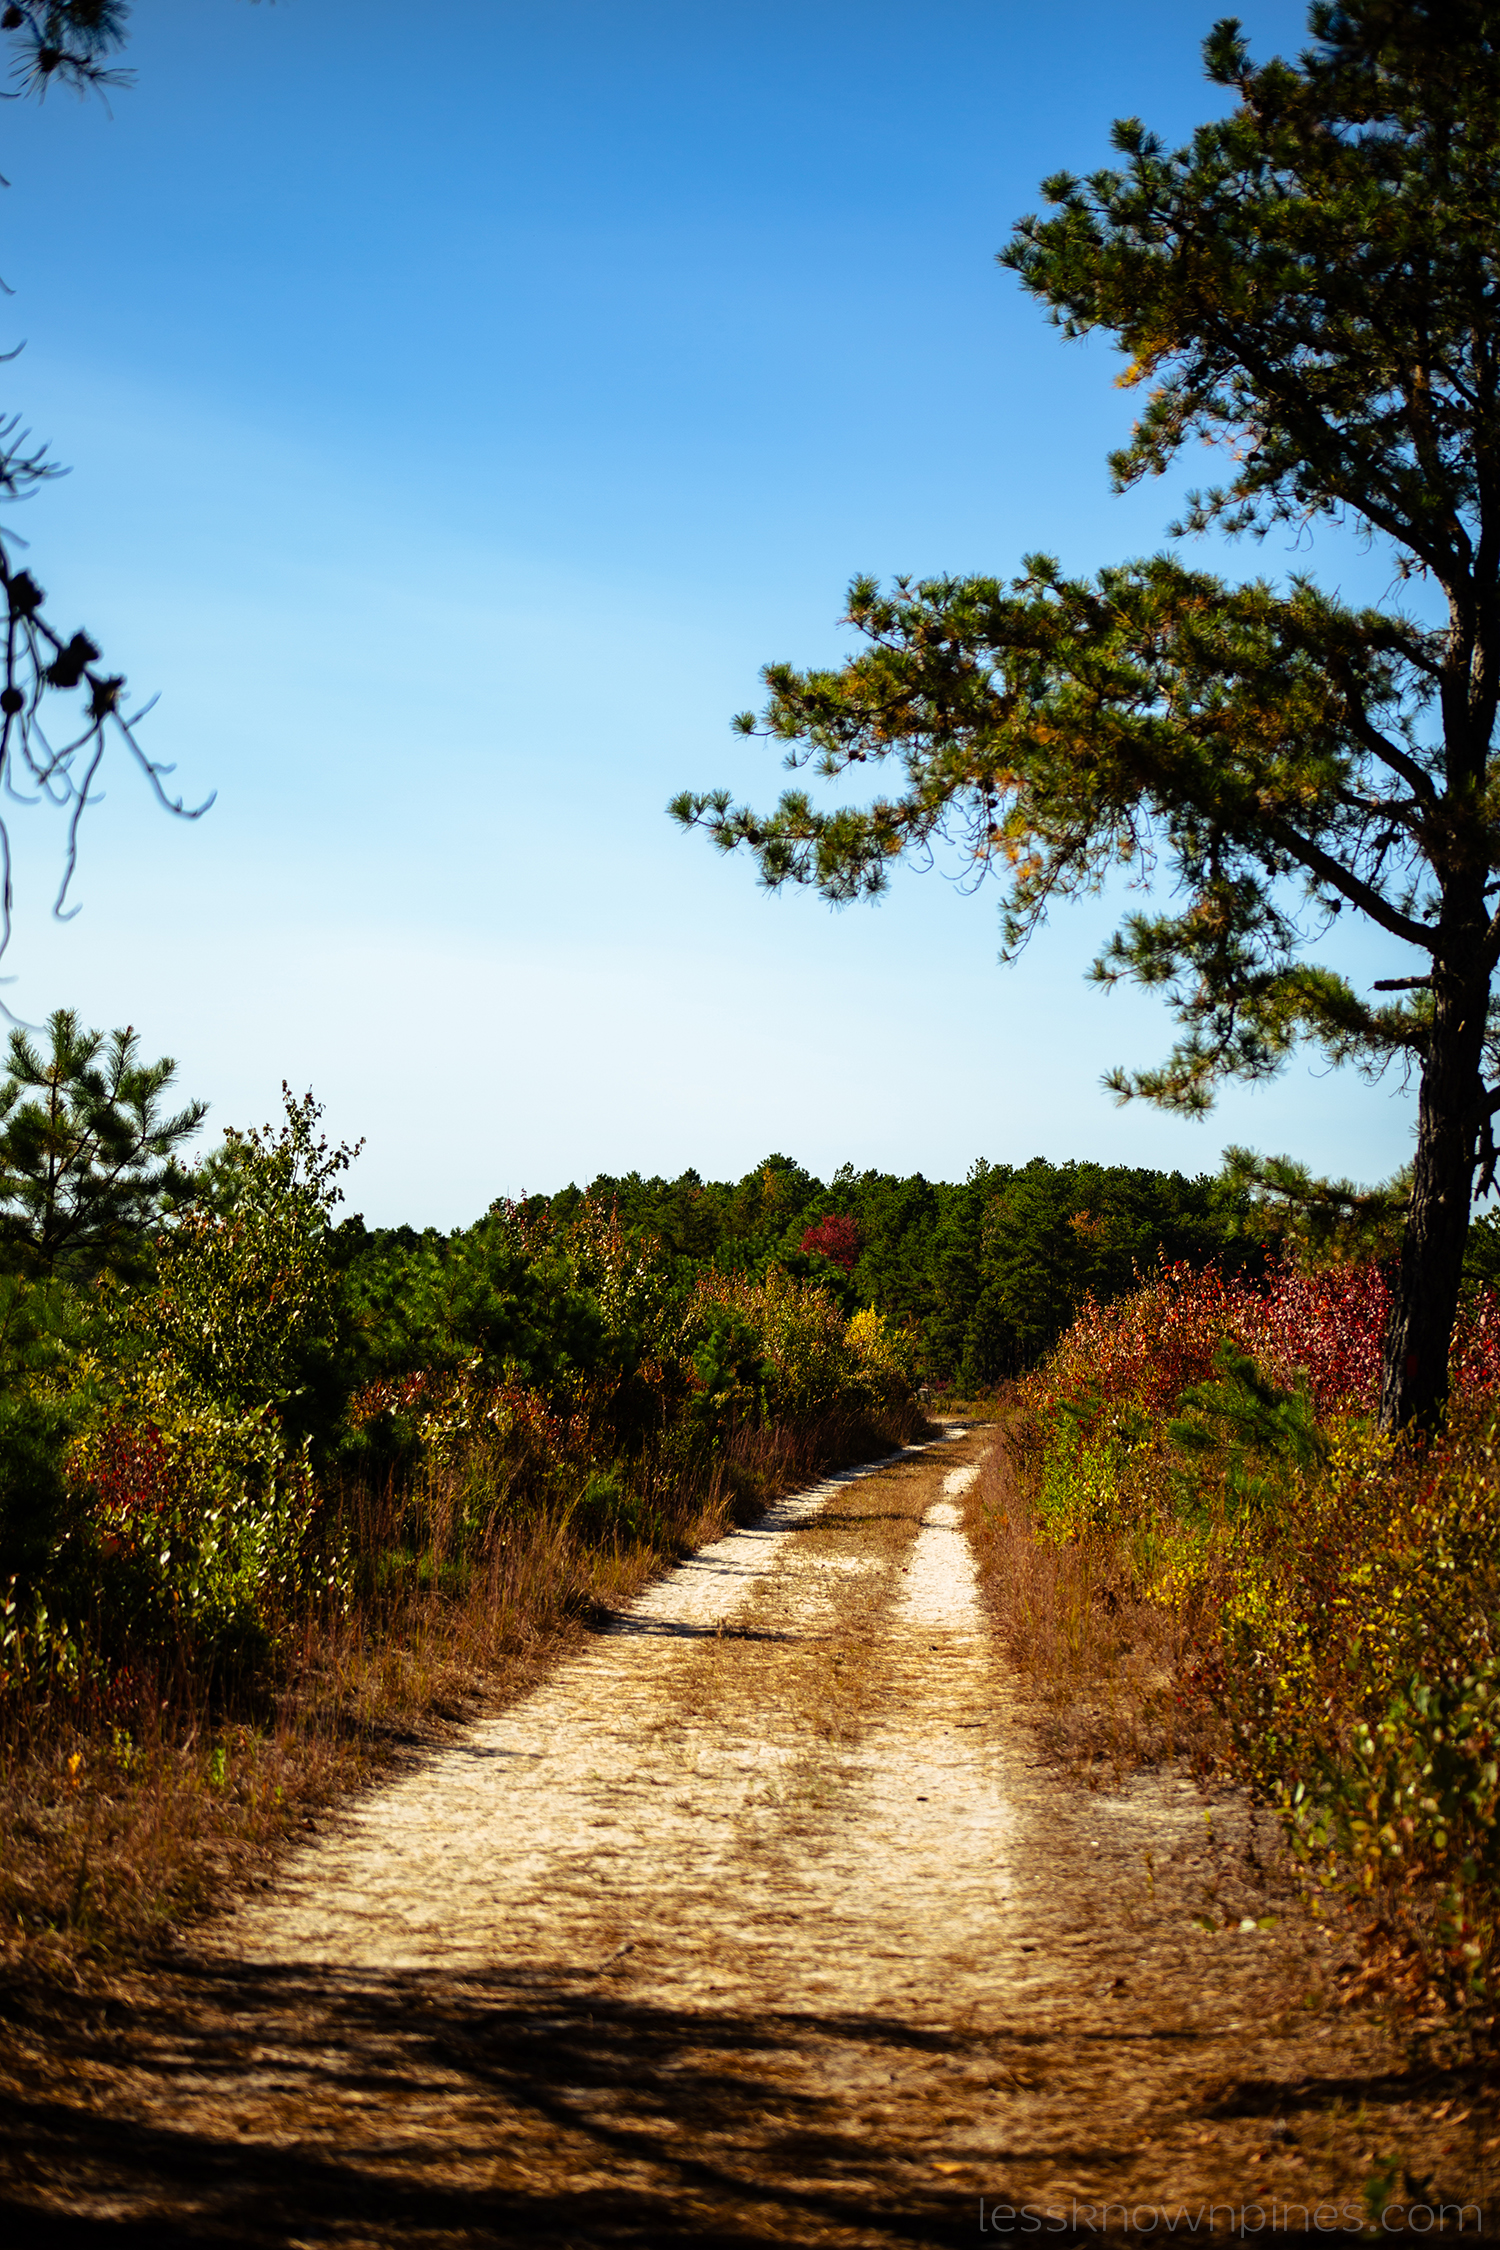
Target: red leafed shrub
[[1148, 1346], [135, 1483], [835, 1238], [1476, 1344], [1321, 1329], [1325, 1327], [1328, 1327]]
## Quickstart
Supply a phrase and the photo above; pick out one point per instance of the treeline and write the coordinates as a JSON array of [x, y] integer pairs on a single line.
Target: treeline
[[985, 1274], [199, 1365]]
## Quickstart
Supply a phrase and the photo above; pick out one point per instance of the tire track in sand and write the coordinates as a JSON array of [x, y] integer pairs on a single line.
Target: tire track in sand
[[547, 1829]]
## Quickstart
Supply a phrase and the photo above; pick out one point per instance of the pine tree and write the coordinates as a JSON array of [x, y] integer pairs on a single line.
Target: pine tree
[[88, 1157], [1311, 284]]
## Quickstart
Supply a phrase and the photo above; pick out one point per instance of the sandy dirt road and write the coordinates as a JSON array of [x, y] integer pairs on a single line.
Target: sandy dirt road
[[759, 1921]]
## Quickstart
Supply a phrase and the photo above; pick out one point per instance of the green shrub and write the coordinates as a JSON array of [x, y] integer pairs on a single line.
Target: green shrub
[[207, 1523], [39, 1515], [1412, 1806], [203, 1504]]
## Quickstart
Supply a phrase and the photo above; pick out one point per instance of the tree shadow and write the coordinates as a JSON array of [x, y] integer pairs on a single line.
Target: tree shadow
[[264, 2106]]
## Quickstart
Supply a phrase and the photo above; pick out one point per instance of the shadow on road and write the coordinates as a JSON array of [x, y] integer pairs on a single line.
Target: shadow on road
[[257, 2107]]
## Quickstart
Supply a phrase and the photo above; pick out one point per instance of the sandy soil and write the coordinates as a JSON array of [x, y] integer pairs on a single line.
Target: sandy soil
[[760, 1921]]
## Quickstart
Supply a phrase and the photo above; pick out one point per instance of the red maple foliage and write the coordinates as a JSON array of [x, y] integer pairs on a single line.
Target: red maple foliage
[[1324, 1327], [134, 1483], [835, 1238]]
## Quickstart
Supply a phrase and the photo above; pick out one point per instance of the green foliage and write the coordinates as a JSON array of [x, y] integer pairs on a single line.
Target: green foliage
[[726, 1361], [986, 1273], [245, 1302], [195, 1445], [607, 1368], [183, 1431], [1412, 1806], [206, 1522], [428, 1300], [44, 1326], [1482, 1252], [779, 1348], [1079, 1486], [1058, 728], [1320, 1222], [88, 1155], [547, 1294], [1057, 1235], [1248, 1433], [1239, 1408], [38, 1512]]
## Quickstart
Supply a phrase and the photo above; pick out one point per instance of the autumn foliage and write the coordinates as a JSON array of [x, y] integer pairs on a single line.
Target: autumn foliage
[[1334, 1596], [835, 1238], [1323, 1329]]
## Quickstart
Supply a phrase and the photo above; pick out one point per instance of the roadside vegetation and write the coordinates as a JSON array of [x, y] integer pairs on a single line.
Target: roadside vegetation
[[277, 1492], [281, 1494], [1203, 1545]]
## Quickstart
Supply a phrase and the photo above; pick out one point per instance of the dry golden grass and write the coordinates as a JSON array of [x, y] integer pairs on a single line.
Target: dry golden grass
[[127, 1814], [1099, 1664]]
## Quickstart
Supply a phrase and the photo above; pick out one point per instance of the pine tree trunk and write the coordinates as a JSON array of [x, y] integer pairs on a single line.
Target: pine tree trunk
[[1419, 1331]]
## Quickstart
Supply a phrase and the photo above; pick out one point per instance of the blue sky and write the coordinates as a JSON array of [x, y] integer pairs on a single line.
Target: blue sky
[[458, 420]]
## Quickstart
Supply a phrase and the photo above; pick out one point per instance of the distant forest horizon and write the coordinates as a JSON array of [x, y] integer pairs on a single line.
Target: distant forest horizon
[[989, 1270]]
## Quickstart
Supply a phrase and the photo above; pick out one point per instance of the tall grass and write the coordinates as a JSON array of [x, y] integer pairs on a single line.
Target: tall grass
[[135, 1800], [1100, 1661]]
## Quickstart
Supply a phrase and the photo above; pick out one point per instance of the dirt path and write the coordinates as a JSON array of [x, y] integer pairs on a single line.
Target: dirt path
[[758, 1922]]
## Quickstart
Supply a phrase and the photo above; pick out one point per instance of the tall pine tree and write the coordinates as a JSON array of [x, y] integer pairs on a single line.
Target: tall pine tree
[[1310, 284]]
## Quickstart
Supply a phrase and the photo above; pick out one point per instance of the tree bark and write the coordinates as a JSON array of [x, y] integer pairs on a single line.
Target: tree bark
[[1419, 1330]]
